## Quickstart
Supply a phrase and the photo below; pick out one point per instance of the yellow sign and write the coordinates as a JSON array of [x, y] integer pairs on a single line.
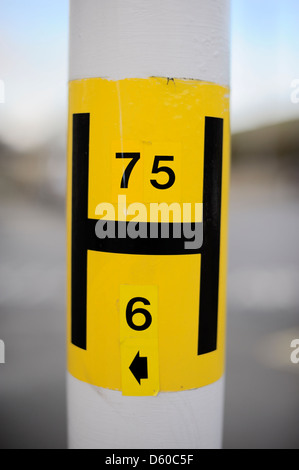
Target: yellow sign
[[148, 171]]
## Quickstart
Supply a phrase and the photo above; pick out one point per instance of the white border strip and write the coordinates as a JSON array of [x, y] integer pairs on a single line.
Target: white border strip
[[119, 39], [104, 419]]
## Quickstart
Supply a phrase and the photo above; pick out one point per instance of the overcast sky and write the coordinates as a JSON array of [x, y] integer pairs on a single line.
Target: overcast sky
[[34, 59]]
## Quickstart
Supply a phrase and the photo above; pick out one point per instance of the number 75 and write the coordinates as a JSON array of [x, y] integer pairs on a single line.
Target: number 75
[[156, 169]]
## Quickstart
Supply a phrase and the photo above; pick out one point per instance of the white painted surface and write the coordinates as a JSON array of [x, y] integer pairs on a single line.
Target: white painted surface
[[118, 39], [100, 418], [141, 38]]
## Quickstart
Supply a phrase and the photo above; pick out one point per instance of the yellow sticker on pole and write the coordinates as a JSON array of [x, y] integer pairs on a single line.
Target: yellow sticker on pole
[[148, 173], [139, 340]]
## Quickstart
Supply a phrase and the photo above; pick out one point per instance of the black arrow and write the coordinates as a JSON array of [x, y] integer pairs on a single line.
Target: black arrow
[[139, 368]]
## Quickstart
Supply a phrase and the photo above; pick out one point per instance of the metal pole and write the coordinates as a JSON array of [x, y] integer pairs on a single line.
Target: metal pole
[[184, 44]]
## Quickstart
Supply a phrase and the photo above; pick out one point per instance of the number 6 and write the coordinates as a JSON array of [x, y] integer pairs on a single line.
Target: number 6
[[130, 314]]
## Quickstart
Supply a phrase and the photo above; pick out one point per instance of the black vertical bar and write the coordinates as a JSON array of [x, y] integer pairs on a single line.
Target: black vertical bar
[[209, 286], [81, 123]]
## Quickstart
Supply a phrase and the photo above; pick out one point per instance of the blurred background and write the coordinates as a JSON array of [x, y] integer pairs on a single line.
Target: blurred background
[[262, 384]]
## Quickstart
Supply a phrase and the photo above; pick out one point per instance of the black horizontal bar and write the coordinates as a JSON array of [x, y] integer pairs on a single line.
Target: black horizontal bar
[[151, 238]]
